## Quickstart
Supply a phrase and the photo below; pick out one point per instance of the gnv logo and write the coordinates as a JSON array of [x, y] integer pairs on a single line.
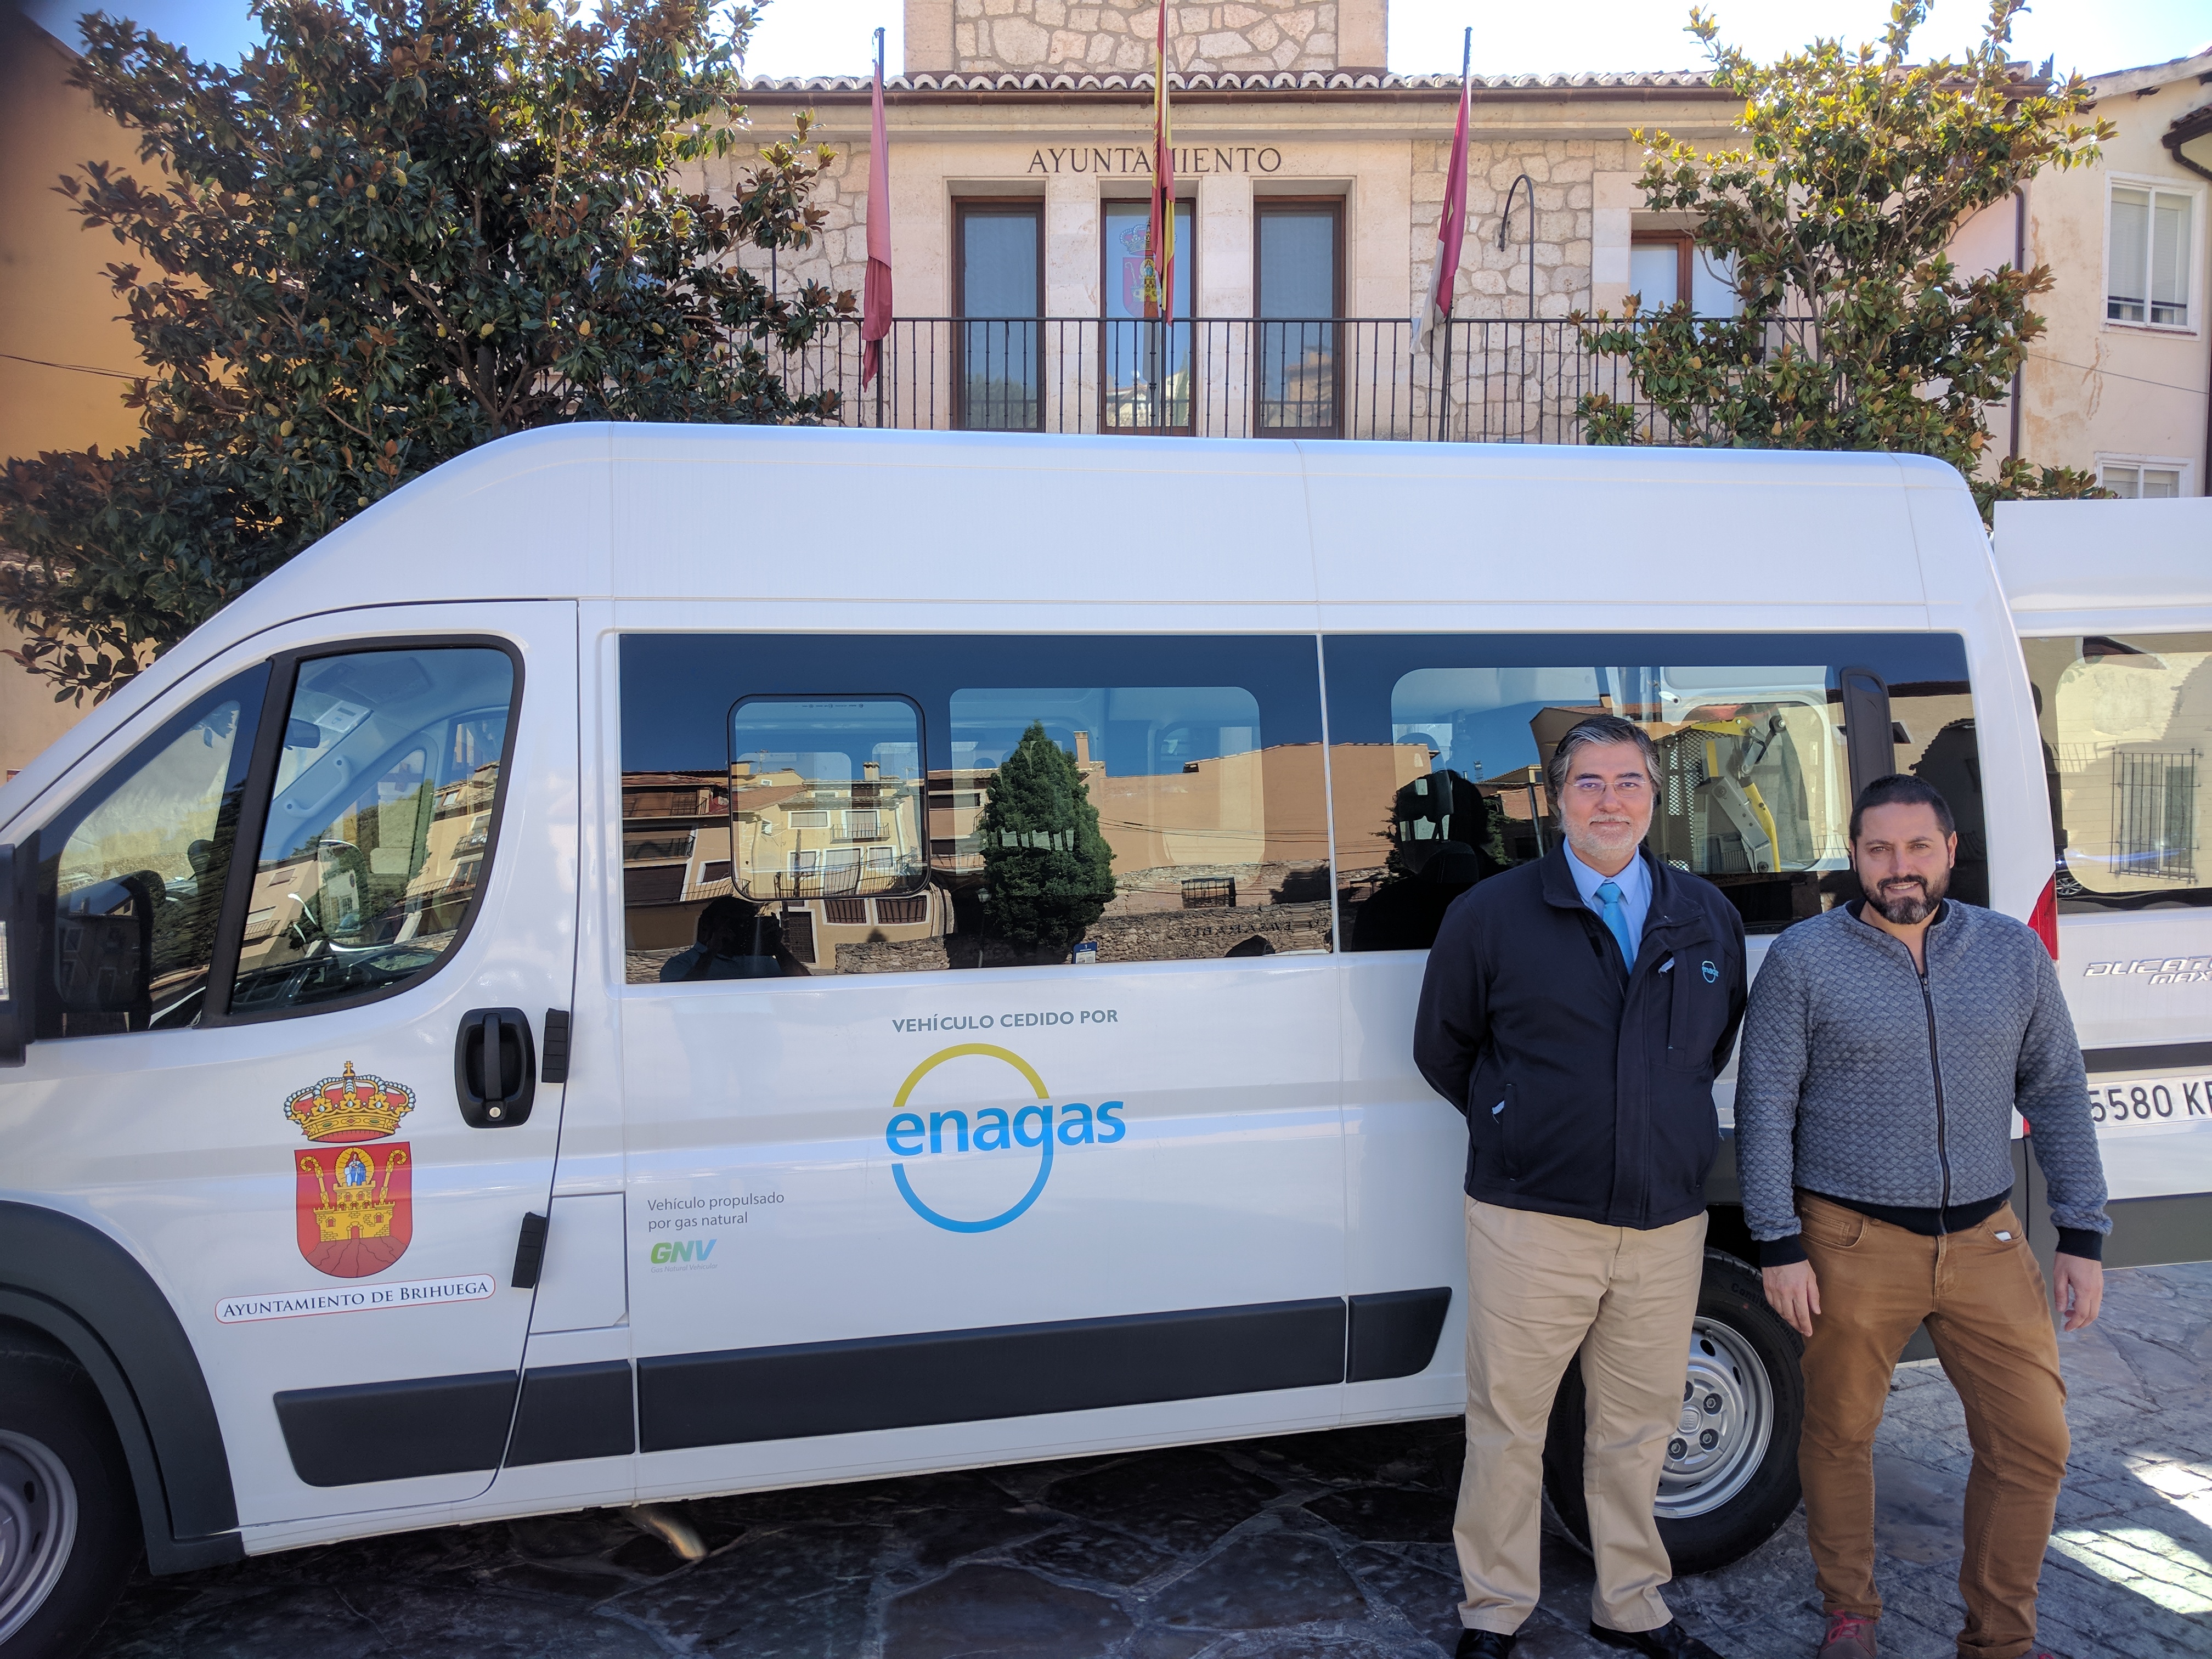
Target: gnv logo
[[683, 1249], [994, 1129]]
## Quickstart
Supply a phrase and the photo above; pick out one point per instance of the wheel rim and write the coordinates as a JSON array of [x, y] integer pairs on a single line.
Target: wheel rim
[[38, 1528], [1725, 1428]]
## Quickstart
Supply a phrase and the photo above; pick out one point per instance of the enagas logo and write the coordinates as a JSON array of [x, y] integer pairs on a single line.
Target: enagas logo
[[929, 1142]]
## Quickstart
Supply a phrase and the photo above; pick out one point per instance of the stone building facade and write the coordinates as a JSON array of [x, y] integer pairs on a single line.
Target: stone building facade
[[1064, 121], [1037, 105], [1017, 36]]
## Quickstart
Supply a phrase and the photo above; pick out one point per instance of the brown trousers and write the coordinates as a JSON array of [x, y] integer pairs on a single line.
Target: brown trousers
[[1538, 1288], [1983, 1301]]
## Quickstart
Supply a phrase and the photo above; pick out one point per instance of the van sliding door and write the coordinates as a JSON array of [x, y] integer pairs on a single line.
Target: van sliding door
[[1438, 745], [979, 1047]]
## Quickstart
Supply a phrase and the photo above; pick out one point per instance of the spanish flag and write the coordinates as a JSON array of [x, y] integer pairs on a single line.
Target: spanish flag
[[1159, 236]]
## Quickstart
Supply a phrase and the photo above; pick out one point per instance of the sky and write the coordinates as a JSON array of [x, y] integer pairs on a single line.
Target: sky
[[836, 37]]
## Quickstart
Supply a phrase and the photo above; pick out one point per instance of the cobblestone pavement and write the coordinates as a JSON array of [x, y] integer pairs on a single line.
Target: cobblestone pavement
[[1316, 1547]]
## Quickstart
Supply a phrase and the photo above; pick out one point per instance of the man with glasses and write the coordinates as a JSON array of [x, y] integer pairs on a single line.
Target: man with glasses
[[1575, 1010]]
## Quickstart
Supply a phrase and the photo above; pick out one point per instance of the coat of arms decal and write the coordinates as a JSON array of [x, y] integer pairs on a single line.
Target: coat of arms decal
[[354, 1201]]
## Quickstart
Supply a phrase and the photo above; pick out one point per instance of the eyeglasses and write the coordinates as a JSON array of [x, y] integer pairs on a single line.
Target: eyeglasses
[[1629, 788]]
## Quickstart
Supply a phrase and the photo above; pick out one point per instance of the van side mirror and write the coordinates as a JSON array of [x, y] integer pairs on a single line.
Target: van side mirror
[[18, 931]]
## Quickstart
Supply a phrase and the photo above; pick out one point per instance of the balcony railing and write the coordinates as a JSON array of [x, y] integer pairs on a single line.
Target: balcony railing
[[1484, 382]]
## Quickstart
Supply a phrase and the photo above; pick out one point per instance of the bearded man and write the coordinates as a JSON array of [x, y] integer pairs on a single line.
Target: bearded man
[[1888, 1043], [1575, 1010]]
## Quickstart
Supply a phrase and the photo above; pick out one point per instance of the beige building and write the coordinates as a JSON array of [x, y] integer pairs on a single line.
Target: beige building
[[62, 350], [2118, 385]]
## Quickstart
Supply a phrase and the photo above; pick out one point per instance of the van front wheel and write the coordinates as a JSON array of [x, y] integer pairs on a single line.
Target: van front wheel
[[1730, 1478], [68, 1527]]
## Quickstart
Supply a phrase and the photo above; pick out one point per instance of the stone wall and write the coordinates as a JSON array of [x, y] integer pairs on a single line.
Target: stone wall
[[1158, 936], [1017, 36], [839, 257], [999, 35], [1494, 283]]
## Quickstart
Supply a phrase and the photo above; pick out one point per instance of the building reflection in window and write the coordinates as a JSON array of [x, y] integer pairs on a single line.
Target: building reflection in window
[[1753, 772], [2125, 724], [1145, 820]]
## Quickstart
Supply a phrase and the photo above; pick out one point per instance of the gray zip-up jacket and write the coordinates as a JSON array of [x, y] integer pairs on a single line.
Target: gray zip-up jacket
[[1863, 1081]]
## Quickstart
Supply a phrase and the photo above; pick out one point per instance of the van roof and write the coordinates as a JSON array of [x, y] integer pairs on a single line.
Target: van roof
[[1027, 532], [769, 513], [2099, 566]]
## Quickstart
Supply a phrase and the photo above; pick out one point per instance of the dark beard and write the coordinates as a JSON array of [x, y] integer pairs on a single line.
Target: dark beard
[[1908, 907]]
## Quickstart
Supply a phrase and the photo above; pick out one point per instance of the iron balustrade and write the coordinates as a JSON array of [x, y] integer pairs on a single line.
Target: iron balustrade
[[1483, 380]]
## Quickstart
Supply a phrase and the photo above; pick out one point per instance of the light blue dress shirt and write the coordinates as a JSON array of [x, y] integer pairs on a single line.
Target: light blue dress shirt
[[1635, 884]]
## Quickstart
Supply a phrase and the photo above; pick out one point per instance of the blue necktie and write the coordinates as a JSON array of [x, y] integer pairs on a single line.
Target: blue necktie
[[1616, 920]]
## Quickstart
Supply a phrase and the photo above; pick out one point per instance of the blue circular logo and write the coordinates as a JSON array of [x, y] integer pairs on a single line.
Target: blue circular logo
[[996, 1130]]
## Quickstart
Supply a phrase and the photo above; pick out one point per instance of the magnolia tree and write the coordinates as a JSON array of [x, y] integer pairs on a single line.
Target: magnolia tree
[[396, 230], [1855, 170]]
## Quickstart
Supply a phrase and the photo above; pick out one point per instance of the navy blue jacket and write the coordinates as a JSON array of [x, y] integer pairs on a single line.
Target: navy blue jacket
[[1588, 1089]]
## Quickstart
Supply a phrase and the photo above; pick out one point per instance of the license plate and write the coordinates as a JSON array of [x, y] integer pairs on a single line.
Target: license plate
[[2123, 1105]]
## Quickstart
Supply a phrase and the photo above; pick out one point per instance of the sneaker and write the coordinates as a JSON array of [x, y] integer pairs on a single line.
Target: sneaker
[[1849, 1636]]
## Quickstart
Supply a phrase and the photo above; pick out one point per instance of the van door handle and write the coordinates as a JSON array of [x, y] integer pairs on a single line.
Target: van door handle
[[495, 1068]]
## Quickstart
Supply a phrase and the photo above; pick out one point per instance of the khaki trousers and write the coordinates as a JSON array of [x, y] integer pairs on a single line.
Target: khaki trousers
[[1982, 1299], [1538, 1288]]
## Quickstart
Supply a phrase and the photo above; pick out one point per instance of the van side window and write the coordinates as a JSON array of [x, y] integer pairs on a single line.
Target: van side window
[[1439, 747], [380, 827], [993, 802], [132, 875], [2125, 723]]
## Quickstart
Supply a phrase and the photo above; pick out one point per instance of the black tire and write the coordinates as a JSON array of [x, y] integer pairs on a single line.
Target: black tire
[[1755, 1481], [55, 1593]]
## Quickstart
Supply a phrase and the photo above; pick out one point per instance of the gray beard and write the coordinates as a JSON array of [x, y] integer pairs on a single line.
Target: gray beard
[[1909, 908]]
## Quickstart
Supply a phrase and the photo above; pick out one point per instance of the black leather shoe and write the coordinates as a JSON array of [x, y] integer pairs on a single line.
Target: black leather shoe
[[1669, 1641], [1484, 1644]]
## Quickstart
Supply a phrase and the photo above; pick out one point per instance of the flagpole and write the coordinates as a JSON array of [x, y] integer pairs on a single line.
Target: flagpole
[[879, 104], [877, 298], [1459, 137]]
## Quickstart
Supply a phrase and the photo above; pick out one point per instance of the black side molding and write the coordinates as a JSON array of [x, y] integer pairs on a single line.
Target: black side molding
[[744, 1395], [418, 1425], [350, 1436], [1394, 1332], [2150, 1232], [2151, 1057], [574, 1411]]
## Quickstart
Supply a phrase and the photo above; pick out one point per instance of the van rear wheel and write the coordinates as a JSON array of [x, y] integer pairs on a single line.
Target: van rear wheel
[[68, 1526], [1730, 1478]]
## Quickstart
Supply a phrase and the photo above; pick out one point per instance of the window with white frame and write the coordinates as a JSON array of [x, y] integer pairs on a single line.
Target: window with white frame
[[2148, 242], [2142, 477]]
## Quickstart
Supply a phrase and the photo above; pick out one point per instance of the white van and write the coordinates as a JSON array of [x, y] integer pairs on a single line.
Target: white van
[[670, 960], [2114, 603]]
